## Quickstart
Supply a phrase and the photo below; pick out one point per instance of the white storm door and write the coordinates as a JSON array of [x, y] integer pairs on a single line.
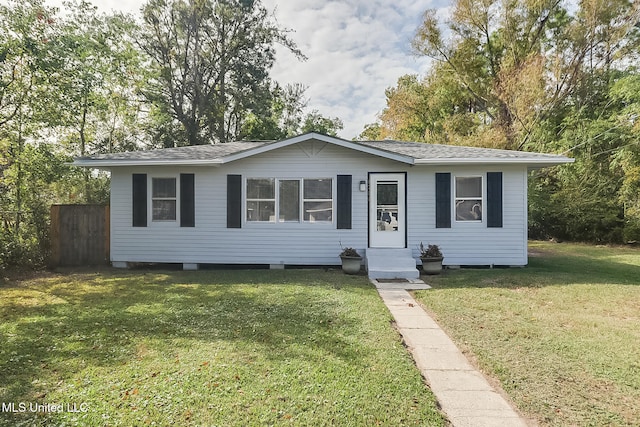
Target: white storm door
[[387, 216]]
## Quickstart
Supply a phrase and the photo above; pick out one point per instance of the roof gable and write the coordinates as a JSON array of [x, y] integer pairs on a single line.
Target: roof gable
[[399, 157], [412, 153]]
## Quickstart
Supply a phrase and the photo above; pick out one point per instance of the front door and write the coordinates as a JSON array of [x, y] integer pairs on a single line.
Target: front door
[[387, 216]]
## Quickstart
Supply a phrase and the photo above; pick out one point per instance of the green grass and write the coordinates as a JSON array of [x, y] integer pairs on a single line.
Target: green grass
[[206, 348], [562, 335]]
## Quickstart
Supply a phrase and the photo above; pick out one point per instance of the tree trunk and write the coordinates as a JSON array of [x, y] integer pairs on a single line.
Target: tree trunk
[[19, 175], [83, 145], [504, 121]]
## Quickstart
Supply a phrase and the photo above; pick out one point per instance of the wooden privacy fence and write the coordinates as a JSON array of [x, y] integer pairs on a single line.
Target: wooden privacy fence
[[79, 235]]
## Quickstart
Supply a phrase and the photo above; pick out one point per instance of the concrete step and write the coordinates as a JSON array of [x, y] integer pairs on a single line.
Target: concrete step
[[391, 264], [403, 252], [394, 274]]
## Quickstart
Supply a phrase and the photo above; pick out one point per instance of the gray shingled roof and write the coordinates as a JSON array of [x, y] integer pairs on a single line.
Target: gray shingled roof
[[194, 152], [407, 152], [419, 150]]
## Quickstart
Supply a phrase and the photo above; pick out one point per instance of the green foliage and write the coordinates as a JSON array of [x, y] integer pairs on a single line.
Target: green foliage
[[431, 251], [580, 209], [287, 117], [98, 79], [26, 168], [65, 79], [595, 199], [626, 91], [371, 132], [350, 252], [29, 182], [315, 122], [26, 28]]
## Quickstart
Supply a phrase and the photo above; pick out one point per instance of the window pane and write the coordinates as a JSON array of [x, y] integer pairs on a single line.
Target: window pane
[[164, 187], [289, 200], [164, 210], [260, 189], [469, 187], [387, 193], [469, 210], [317, 189], [318, 211], [387, 219], [261, 211]]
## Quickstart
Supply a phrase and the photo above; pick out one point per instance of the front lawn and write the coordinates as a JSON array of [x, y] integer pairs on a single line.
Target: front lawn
[[562, 335], [204, 348]]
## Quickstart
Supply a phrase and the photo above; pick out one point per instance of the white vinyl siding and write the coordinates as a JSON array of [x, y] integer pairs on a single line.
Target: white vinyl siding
[[471, 242], [302, 243]]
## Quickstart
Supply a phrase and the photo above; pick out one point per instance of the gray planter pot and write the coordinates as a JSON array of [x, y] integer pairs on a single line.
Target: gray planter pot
[[351, 264], [432, 265]]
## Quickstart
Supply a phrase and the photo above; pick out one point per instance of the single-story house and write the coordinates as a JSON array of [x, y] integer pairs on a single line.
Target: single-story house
[[300, 200]]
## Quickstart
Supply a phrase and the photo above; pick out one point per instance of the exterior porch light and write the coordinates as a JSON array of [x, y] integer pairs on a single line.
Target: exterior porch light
[[363, 186]]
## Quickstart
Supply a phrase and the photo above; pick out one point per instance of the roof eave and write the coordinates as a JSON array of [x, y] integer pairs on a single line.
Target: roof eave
[[95, 163], [532, 163]]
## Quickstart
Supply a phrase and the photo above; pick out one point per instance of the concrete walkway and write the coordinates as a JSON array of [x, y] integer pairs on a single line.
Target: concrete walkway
[[463, 393]]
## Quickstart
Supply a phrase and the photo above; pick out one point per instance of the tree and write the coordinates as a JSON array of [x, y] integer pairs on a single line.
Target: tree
[[26, 31], [520, 60], [316, 122], [65, 84], [594, 199], [95, 72], [626, 91], [212, 60], [371, 132], [96, 77], [433, 109], [287, 117]]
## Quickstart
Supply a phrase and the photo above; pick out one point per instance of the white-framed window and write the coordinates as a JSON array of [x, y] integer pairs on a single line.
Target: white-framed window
[[289, 200], [261, 200], [468, 198], [164, 199], [318, 200]]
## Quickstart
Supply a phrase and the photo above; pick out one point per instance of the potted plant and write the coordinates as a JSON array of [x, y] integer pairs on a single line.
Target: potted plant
[[351, 261], [431, 258]]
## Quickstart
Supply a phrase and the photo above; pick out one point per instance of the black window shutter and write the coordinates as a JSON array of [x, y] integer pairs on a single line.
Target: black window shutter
[[494, 199], [234, 201], [139, 199], [187, 200], [343, 202], [443, 200]]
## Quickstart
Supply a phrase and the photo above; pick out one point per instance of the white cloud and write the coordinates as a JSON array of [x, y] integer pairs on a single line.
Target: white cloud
[[356, 49]]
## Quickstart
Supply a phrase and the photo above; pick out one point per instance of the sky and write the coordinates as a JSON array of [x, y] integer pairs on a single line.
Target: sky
[[355, 48]]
